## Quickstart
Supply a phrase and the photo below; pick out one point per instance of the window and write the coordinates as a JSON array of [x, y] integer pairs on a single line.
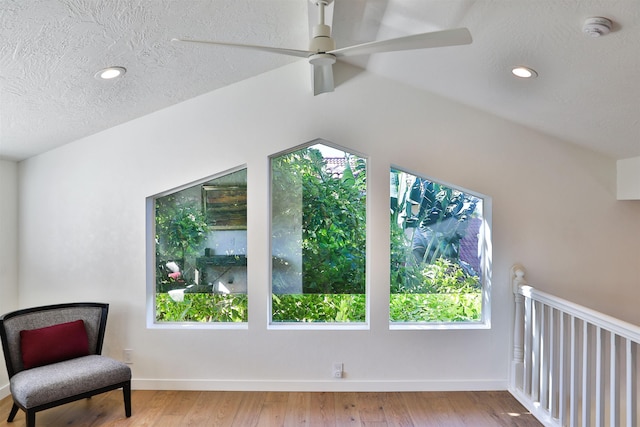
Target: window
[[439, 253], [318, 226], [200, 251]]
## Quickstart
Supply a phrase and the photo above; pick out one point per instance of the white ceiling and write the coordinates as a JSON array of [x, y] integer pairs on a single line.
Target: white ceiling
[[587, 91]]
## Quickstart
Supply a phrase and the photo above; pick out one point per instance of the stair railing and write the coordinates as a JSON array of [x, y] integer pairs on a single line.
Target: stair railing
[[572, 366]]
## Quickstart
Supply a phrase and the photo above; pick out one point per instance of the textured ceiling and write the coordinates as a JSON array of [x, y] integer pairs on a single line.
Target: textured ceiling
[[587, 90]]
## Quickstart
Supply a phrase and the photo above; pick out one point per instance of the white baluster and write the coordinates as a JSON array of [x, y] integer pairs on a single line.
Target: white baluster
[[536, 337], [614, 383], [586, 377], [632, 387], [599, 380], [562, 376], [553, 377], [527, 345], [544, 358], [573, 375]]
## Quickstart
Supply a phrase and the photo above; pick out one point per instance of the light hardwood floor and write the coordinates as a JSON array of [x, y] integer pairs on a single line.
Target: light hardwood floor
[[267, 409]]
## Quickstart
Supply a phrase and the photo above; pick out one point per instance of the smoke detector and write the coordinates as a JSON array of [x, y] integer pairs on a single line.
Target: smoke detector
[[596, 27]]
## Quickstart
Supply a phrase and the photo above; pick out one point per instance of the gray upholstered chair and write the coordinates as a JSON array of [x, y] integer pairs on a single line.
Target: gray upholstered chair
[[53, 357]]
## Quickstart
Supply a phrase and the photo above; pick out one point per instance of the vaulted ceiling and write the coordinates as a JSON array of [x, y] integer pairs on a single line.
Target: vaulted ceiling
[[586, 91]]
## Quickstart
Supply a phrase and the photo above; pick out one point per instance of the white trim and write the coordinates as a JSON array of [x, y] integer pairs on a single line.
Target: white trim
[[536, 410], [308, 386], [336, 326], [338, 385], [617, 326], [197, 325], [486, 259], [318, 326], [150, 260], [4, 391], [445, 326]]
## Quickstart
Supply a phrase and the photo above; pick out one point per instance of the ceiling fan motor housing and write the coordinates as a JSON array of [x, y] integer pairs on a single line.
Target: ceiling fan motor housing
[[321, 41]]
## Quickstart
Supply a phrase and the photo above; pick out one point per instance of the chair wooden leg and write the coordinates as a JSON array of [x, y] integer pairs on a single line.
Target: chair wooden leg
[[12, 414], [31, 418], [126, 391]]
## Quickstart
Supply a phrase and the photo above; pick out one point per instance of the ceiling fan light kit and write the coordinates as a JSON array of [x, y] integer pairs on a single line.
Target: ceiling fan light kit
[[322, 52]]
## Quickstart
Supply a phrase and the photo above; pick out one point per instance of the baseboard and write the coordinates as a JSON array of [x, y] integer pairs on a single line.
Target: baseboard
[[4, 391], [534, 408], [332, 385], [310, 386]]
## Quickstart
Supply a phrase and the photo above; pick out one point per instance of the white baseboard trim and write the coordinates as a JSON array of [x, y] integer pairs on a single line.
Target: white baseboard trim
[[311, 386], [331, 385], [541, 415], [4, 391]]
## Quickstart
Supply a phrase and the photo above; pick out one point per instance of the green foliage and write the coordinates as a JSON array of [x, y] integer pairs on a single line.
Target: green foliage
[[202, 307], [181, 229], [442, 218], [180, 226], [450, 307], [441, 276], [428, 221], [429, 282], [333, 220], [319, 308], [444, 307]]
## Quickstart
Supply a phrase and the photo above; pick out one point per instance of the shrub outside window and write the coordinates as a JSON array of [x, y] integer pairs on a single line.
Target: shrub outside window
[[440, 253], [318, 226], [200, 251]]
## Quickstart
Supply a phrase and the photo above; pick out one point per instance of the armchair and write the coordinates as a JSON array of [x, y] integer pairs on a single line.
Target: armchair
[[53, 357]]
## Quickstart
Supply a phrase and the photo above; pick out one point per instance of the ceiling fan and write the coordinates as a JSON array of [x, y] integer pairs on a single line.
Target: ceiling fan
[[322, 52]]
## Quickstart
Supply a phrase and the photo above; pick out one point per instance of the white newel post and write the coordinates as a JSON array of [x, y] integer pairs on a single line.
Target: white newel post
[[517, 362]]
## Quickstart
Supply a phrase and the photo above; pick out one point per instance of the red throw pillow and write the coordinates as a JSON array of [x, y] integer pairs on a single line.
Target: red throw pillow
[[53, 344]]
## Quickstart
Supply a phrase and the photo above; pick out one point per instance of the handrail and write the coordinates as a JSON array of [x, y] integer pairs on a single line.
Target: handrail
[[619, 327]]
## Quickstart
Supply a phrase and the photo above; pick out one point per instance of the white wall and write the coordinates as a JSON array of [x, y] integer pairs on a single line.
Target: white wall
[[82, 230], [8, 248]]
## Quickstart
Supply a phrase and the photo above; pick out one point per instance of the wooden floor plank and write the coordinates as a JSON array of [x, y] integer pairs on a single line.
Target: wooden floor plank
[[249, 409], [267, 409], [322, 409], [371, 408], [274, 409], [347, 412], [469, 409], [395, 411], [228, 408], [298, 409]]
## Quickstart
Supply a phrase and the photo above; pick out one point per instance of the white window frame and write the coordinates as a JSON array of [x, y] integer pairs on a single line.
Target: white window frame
[[485, 259], [325, 325], [150, 232]]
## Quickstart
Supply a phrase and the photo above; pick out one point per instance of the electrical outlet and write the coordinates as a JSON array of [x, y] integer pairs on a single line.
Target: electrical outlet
[[337, 370], [127, 356]]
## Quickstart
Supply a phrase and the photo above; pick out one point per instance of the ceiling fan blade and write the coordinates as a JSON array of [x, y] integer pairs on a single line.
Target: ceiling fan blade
[[279, 50], [455, 37], [322, 76]]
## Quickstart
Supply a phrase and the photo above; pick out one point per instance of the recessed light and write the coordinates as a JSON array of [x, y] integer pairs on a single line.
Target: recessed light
[[524, 72], [110, 73]]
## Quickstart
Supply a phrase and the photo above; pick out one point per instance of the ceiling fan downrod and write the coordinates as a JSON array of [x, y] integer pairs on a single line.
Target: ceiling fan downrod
[[321, 41]]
